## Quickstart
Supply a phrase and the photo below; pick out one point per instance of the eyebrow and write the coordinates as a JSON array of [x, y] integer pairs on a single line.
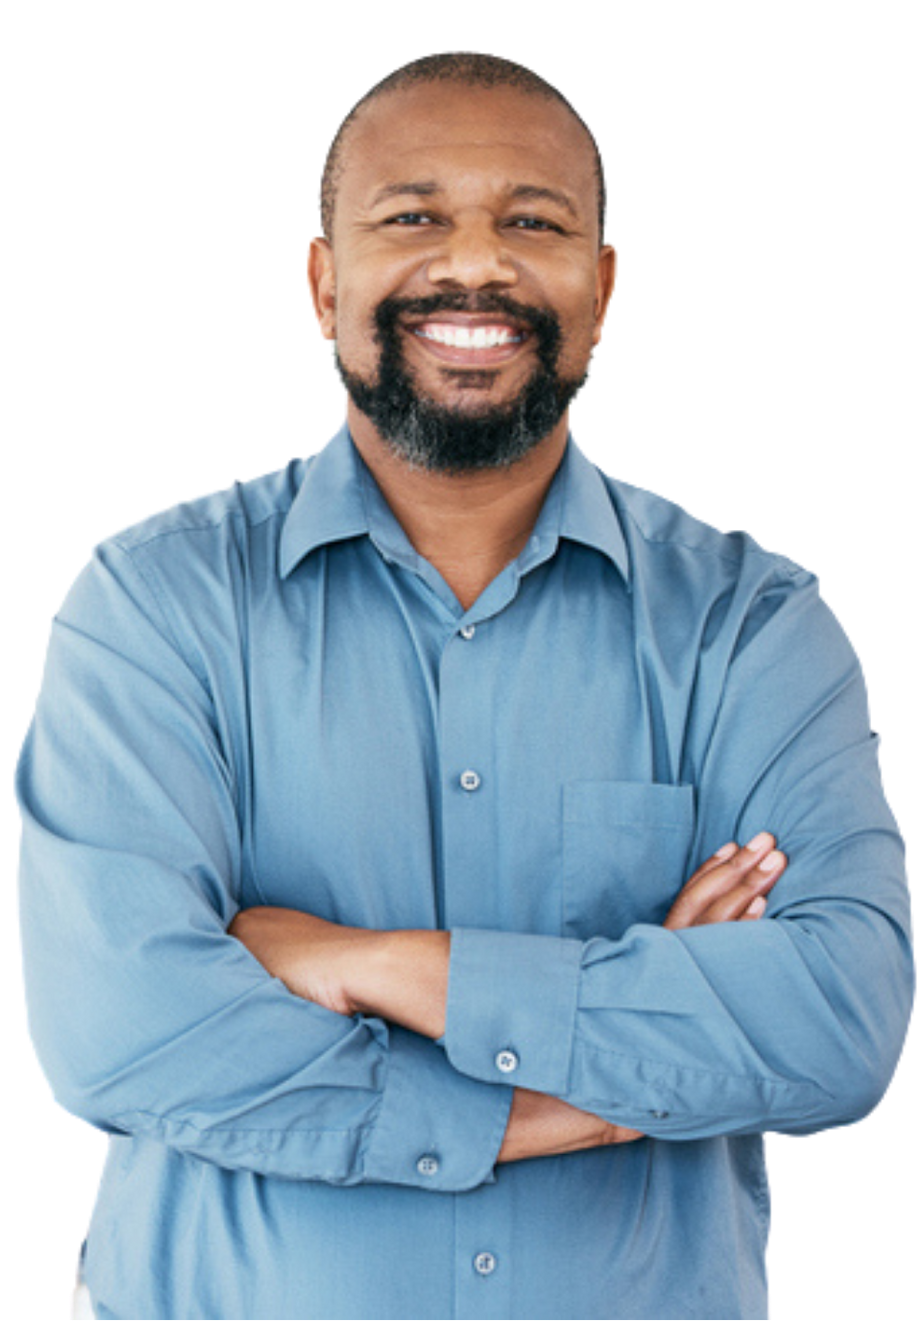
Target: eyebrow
[[425, 188], [535, 193]]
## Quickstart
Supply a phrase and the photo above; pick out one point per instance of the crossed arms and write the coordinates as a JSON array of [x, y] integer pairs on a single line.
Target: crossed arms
[[403, 977], [151, 1019]]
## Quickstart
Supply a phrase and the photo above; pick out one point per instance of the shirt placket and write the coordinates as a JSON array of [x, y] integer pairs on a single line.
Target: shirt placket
[[467, 773], [483, 1252]]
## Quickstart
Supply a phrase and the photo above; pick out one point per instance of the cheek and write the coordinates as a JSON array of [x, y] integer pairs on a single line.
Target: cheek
[[574, 300], [355, 334], [579, 337]]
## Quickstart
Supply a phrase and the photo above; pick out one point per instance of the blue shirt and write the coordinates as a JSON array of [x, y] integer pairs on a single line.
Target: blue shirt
[[268, 697]]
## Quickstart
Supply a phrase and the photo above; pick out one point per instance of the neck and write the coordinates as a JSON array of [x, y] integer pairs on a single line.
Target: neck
[[467, 525]]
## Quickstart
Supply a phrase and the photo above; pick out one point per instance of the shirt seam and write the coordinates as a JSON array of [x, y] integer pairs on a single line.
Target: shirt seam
[[193, 660], [136, 1113], [787, 568], [166, 627], [126, 543]]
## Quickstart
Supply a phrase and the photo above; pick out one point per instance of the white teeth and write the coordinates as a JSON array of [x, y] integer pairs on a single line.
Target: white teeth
[[466, 337]]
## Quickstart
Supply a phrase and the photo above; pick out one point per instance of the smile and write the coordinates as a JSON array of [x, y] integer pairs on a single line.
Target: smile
[[469, 337], [471, 344]]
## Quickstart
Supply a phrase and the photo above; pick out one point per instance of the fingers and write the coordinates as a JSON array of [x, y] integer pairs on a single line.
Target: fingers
[[730, 886], [756, 909]]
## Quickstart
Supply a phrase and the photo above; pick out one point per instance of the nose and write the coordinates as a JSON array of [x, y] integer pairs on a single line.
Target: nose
[[472, 255]]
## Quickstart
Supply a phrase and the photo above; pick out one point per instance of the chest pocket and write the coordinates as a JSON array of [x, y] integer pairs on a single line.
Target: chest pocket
[[625, 854]]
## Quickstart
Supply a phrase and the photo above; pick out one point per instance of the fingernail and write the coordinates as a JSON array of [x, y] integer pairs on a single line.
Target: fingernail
[[772, 861], [726, 851], [756, 908], [760, 842]]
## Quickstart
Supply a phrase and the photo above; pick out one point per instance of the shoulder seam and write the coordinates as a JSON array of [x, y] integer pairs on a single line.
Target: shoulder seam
[[780, 562], [158, 597], [126, 543]]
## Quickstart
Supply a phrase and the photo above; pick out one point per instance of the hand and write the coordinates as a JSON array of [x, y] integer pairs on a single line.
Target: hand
[[730, 886], [312, 957]]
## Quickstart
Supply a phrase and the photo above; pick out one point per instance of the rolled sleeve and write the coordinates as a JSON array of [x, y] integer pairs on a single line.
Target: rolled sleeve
[[511, 1007]]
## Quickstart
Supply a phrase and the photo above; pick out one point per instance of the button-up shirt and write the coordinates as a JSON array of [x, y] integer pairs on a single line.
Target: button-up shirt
[[268, 697]]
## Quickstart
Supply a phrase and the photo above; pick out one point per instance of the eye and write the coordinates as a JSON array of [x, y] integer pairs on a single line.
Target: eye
[[537, 224], [410, 219]]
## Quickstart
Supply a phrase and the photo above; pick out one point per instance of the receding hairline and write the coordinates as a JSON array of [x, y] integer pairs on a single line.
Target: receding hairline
[[472, 69]]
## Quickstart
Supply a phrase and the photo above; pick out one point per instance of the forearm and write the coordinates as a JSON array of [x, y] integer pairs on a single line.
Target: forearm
[[541, 1126], [404, 977]]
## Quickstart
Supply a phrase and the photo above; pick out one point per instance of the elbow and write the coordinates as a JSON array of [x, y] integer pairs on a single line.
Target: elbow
[[82, 1055], [858, 1092], [883, 1042], [860, 1077], [853, 1044], [72, 1082]]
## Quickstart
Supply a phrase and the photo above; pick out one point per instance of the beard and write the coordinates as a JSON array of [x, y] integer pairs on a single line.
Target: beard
[[461, 439]]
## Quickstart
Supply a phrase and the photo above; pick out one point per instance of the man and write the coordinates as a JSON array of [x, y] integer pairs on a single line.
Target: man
[[360, 804]]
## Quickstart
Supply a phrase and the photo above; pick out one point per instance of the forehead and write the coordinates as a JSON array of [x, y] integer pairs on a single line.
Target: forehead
[[500, 137]]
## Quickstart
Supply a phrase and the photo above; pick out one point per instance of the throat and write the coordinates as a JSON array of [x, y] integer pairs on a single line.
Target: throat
[[468, 574]]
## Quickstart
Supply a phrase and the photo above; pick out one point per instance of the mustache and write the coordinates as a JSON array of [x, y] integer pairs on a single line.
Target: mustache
[[541, 321]]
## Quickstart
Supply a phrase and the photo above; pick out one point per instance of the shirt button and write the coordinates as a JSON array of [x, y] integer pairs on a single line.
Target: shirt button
[[428, 1165], [660, 1116], [484, 1264], [506, 1061], [470, 780], [468, 631]]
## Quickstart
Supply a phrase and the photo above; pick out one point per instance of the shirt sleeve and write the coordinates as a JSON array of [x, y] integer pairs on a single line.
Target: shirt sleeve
[[793, 1022], [147, 1017]]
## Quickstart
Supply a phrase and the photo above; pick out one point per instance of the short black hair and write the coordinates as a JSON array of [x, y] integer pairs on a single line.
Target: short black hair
[[471, 69]]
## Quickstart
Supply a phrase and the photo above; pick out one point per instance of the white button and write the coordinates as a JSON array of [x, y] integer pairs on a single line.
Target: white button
[[470, 780], [506, 1061], [468, 631], [428, 1165], [484, 1263]]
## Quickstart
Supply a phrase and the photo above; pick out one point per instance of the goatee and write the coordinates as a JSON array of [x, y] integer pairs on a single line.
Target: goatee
[[442, 439]]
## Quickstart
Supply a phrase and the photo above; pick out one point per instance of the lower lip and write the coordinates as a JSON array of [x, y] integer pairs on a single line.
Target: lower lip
[[486, 357]]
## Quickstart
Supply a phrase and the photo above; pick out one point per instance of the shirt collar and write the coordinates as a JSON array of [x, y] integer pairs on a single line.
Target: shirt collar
[[329, 505], [332, 506], [588, 514]]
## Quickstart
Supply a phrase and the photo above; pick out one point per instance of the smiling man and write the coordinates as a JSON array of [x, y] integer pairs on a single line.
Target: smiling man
[[363, 808], [465, 282]]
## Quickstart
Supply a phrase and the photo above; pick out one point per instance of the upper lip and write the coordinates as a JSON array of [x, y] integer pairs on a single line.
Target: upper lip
[[470, 319]]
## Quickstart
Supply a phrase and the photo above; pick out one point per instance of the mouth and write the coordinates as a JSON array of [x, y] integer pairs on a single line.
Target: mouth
[[471, 341]]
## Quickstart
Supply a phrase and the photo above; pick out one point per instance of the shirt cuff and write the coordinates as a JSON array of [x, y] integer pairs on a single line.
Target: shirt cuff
[[435, 1129], [511, 1008]]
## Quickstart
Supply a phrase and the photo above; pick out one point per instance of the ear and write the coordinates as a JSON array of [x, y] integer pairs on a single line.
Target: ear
[[605, 283], [322, 283]]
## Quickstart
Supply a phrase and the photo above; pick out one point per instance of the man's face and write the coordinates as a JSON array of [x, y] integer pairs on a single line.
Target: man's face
[[465, 286]]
